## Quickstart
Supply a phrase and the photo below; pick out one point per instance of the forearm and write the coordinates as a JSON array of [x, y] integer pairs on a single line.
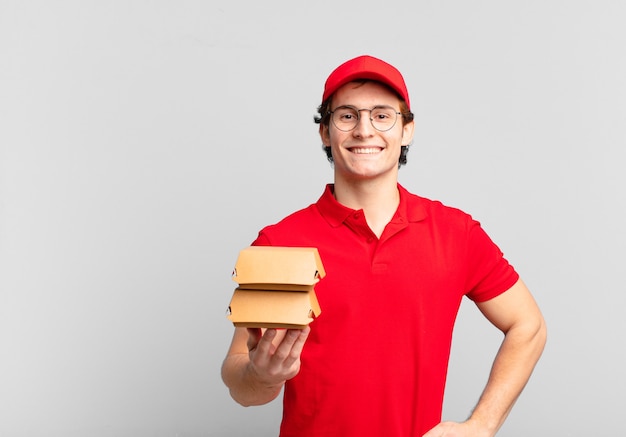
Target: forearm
[[245, 388], [514, 363]]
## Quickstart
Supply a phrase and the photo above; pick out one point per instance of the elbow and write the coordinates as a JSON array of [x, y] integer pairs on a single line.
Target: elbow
[[537, 335], [542, 333], [530, 333]]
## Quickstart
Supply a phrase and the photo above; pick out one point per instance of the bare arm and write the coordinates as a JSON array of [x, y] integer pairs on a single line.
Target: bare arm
[[516, 314], [258, 364]]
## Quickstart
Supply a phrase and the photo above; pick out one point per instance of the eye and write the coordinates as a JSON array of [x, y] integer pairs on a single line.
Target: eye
[[383, 114], [346, 114]]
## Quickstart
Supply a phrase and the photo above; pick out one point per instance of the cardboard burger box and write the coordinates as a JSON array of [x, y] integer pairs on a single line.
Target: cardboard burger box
[[276, 287]]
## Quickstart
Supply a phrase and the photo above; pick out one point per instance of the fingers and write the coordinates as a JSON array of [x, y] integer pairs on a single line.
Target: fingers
[[280, 361], [260, 347], [254, 335], [287, 353], [451, 429]]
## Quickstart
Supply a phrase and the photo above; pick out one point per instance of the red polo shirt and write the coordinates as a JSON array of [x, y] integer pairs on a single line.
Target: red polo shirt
[[376, 359]]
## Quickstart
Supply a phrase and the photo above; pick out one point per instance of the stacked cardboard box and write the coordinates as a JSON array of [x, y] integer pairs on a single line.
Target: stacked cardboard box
[[276, 287]]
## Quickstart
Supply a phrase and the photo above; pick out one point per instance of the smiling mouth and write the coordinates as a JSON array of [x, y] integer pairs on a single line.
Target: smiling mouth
[[365, 150]]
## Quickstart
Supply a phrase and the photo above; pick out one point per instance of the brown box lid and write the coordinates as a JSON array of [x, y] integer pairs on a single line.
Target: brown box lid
[[285, 267]]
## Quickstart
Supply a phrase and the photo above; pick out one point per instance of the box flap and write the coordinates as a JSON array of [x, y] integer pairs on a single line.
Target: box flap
[[278, 265], [273, 309], [276, 287]]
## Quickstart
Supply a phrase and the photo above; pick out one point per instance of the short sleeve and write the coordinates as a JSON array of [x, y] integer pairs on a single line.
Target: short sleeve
[[489, 274]]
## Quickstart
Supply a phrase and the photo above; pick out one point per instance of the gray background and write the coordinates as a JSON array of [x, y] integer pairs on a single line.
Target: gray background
[[144, 143]]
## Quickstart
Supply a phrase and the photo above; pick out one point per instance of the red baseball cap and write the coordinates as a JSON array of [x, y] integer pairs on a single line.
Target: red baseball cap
[[366, 67]]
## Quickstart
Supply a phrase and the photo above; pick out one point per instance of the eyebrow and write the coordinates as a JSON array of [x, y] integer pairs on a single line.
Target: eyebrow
[[368, 109]]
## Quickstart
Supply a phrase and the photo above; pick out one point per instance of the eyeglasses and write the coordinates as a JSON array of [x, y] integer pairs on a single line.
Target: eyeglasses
[[346, 118]]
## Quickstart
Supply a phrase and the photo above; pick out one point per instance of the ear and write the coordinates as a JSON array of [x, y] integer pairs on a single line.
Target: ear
[[407, 133], [325, 135]]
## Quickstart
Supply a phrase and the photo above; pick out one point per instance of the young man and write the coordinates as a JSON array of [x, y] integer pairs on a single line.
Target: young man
[[397, 266]]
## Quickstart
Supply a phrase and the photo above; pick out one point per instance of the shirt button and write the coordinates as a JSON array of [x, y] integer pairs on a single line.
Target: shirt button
[[357, 215], [370, 239]]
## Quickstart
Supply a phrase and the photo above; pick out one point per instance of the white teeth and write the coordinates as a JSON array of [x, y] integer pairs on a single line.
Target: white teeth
[[365, 150]]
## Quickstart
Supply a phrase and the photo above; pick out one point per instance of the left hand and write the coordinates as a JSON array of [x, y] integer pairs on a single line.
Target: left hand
[[454, 429]]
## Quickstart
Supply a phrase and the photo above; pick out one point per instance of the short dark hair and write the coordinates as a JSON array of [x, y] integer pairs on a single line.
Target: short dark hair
[[323, 117]]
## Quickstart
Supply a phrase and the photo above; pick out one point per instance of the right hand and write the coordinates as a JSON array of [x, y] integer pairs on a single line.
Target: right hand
[[275, 355]]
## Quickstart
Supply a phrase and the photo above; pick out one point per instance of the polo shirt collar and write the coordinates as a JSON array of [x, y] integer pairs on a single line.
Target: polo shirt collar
[[336, 214], [411, 206]]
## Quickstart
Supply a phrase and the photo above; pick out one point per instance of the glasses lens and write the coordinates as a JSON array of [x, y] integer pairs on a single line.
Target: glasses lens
[[383, 118], [345, 118]]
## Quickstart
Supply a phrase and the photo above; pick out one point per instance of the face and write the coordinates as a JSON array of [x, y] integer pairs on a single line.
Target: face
[[365, 153]]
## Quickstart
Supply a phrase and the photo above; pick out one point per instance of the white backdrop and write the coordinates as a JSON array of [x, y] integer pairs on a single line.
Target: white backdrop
[[144, 143]]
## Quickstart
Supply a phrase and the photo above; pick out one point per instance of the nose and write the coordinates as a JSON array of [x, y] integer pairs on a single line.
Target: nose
[[364, 127]]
